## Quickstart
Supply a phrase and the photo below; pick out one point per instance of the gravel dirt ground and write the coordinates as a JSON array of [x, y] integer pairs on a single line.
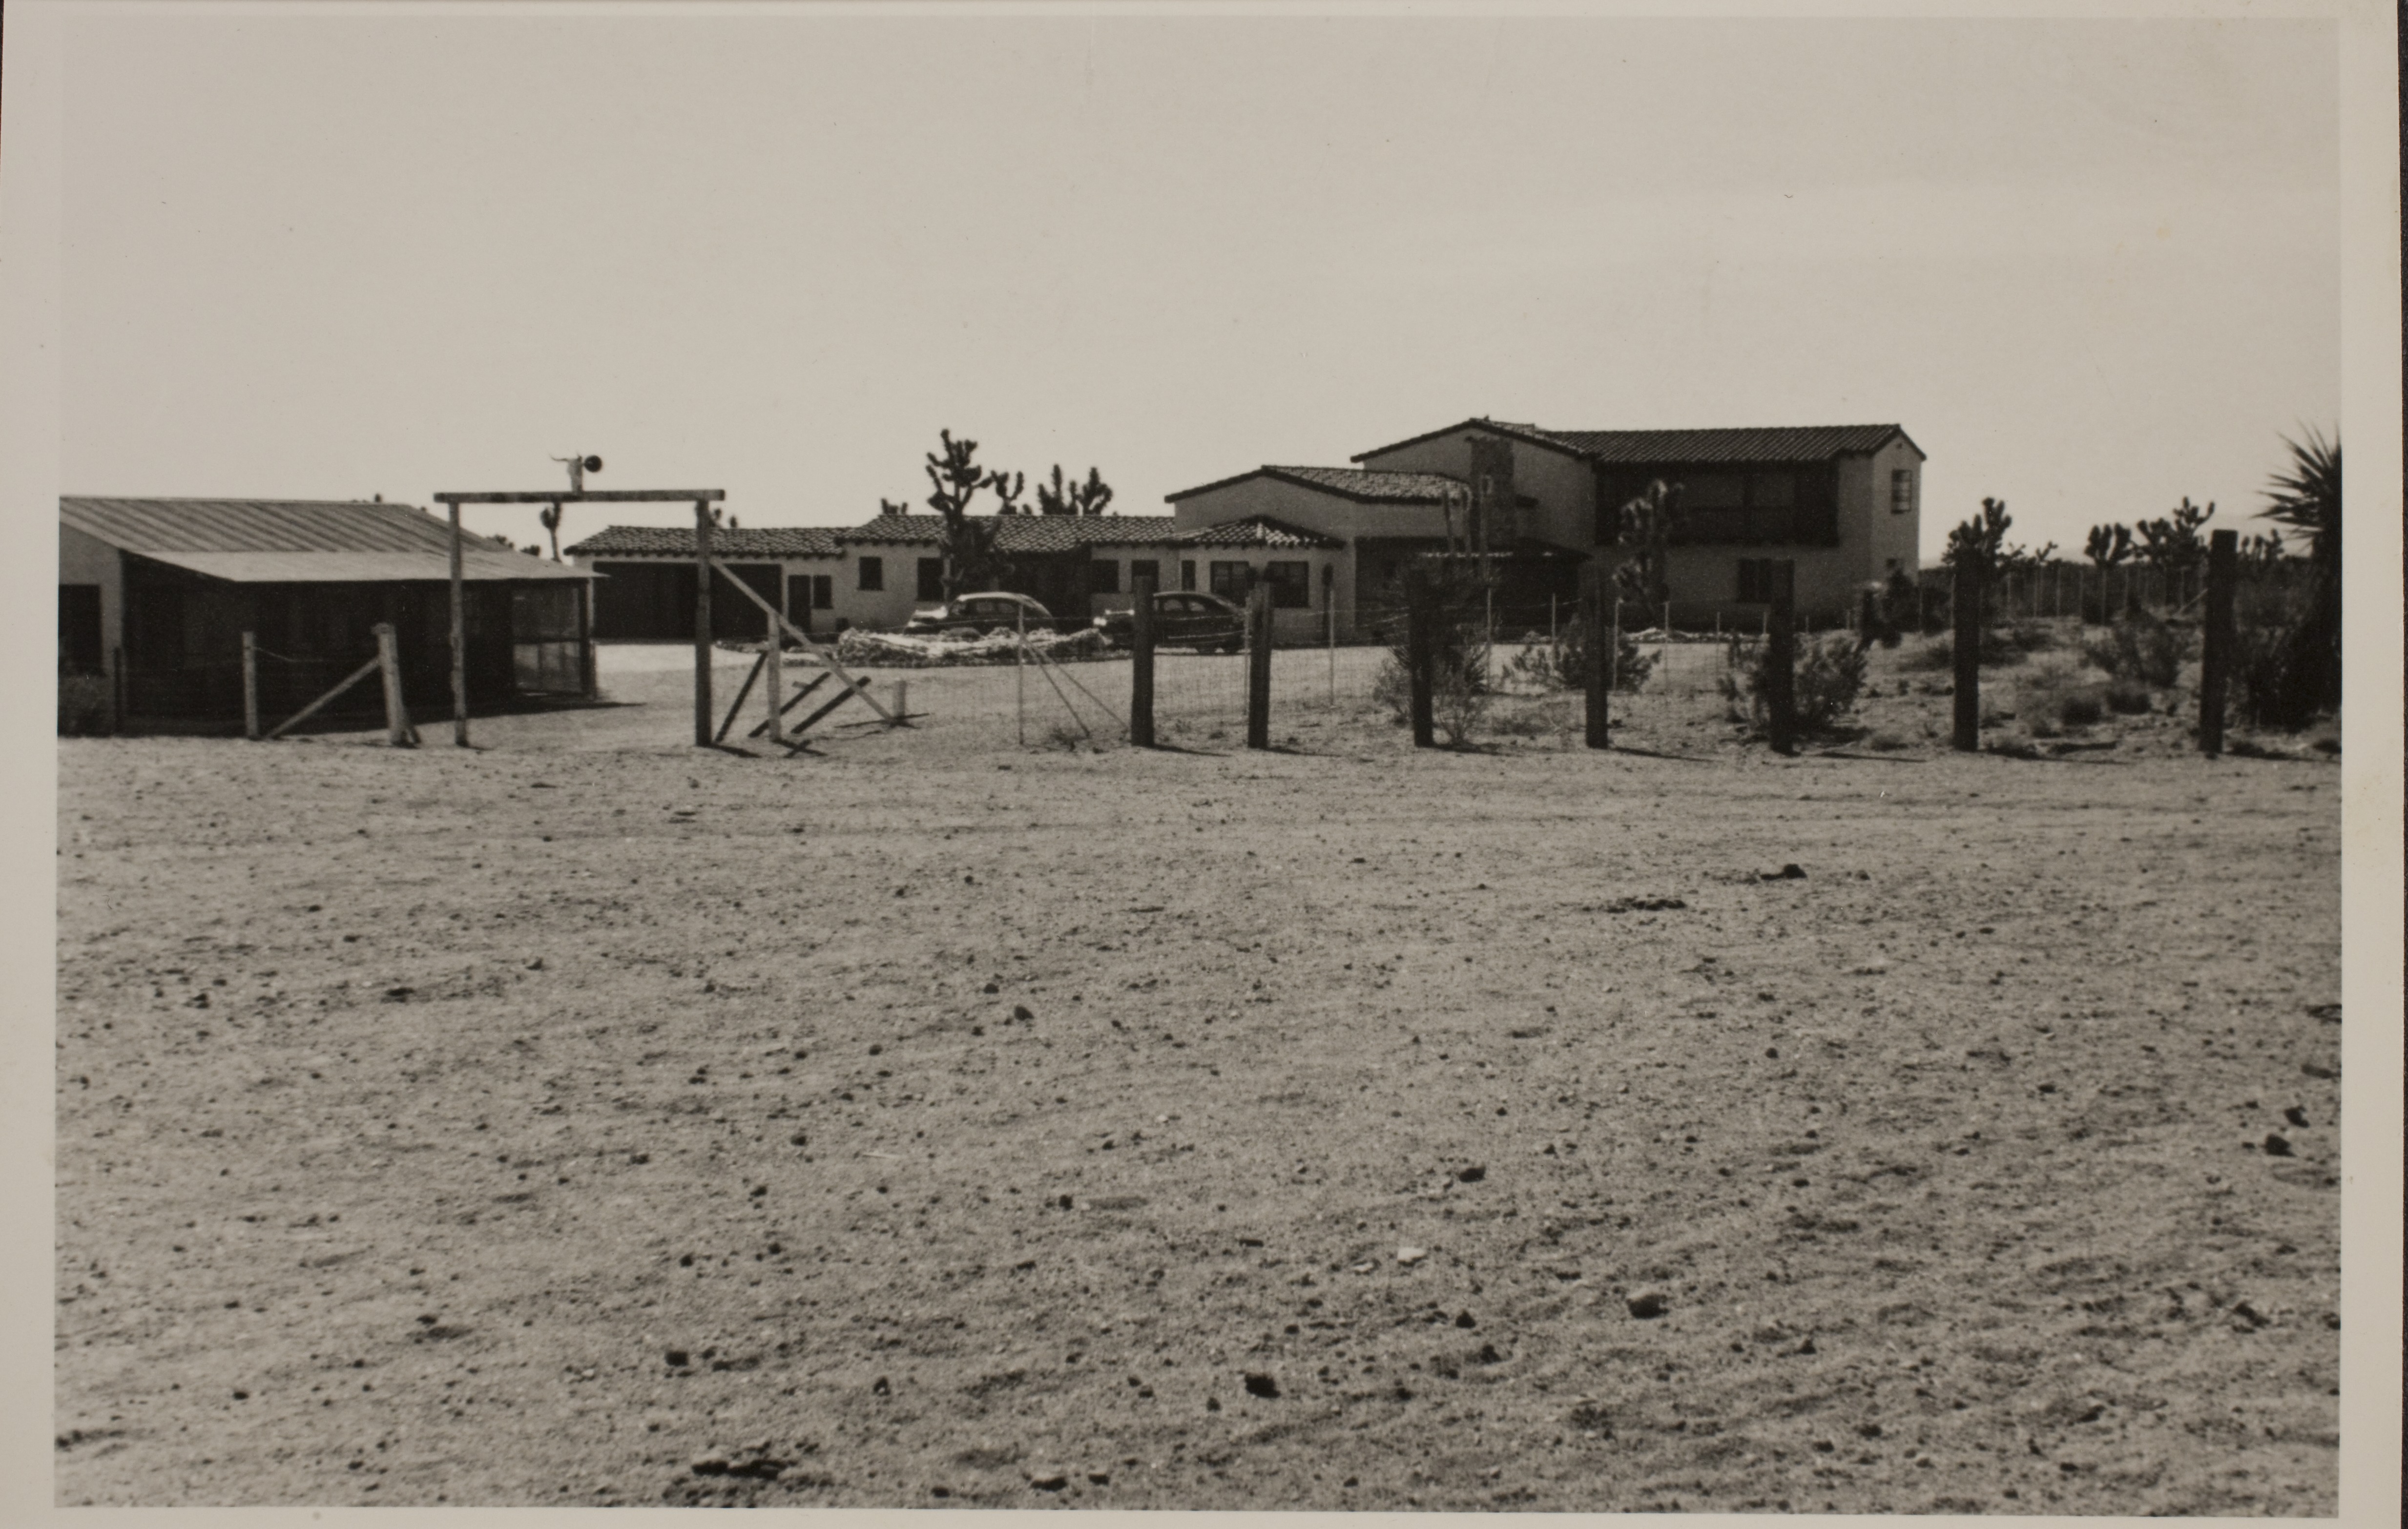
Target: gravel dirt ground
[[588, 1119]]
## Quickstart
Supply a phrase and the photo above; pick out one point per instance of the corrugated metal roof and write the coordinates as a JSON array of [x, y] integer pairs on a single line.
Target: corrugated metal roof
[[481, 565], [1256, 531], [1776, 443], [781, 541], [297, 540]]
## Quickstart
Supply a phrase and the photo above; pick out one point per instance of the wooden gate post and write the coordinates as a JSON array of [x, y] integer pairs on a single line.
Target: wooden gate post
[[396, 716], [1421, 639], [1141, 721], [1597, 642], [1259, 667], [1781, 675], [1967, 600], [2216, 645], [251, 686], [702, 623], [459, 639]]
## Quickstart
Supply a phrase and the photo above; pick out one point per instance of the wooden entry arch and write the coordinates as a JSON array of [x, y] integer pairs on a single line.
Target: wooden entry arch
[[702, 499]]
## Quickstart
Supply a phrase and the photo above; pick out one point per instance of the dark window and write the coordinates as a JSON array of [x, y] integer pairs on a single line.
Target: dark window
[[1291, 585], [1762, 579], [1231, 580], [1187, 573], [1902, 491], [1103, 576], [873, 572], [932, 578], [1145, 568], [823, 592], [79, 628]]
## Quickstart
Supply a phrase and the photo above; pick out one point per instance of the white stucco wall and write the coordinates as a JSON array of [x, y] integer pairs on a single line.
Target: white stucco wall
[[1309, 510], [1564, 485]]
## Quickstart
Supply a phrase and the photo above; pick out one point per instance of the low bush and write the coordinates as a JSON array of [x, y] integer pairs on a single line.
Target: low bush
[[2128, 697], [83, 705], [1562, 663], [1826, 680], [2144, 649], [2055, 694]]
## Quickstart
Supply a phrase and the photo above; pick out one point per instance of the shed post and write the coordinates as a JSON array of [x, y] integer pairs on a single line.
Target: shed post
[[459, 639], [1967, 600], [251, 686], [396, 716], [585, 637], [1597, 642], [1141, 660], [2215, 644], [1259, 667], [702, 623]]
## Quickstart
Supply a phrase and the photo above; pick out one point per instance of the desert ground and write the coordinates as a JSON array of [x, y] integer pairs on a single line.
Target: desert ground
[[930, 1122]]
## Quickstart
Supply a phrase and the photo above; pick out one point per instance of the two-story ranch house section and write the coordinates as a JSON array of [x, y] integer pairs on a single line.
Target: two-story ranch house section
[[1820, 510]]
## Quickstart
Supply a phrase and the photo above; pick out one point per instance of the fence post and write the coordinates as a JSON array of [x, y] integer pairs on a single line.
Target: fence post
[[1868, 620], [773, 671], [1141, 661], [251, 686], [117, 707], [902, 702], [396, 718], [1259, 667], [702, 729], [1781, 675], [1020, 673], [460, 638], [1419, 642], [2215, 646], [1967, 601], [1597, 679], [1329, 621]]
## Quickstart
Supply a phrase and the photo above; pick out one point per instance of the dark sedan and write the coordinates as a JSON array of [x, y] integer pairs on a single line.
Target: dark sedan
[[1183, 618]]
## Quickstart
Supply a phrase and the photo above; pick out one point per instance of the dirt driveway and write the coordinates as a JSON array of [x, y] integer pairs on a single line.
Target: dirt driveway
[[592, 1120]]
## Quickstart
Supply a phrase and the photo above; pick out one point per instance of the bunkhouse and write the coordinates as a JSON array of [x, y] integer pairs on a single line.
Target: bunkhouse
[[156, 595], [874, 575], [1815, 512]]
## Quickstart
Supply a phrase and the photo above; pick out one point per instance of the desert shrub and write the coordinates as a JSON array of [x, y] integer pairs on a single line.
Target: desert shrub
[[83, 705], [2142, 647], [2055, 694], [1825, 680], [1459, 688], [2127, 697], [1563, 663], [1999, 648], [2282, 673]]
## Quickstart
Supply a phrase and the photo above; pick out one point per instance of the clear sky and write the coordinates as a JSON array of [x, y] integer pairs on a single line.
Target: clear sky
[[2091, 266]]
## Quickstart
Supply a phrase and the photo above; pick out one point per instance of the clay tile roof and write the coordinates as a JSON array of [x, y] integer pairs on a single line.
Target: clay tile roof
[[1778, 443], [1773, 443], [1363, 484], [1257, 531], [781, 541], [1030, 534]]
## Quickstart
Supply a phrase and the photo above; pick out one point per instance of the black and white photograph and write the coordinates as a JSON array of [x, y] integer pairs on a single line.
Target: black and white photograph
[[1208, 758]]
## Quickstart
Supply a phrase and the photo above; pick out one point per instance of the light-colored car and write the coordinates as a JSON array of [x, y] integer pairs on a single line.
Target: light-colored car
[[991, 611]]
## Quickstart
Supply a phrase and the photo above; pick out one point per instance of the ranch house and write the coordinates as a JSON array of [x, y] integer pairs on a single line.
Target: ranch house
[[1818, 512], [156, 594]]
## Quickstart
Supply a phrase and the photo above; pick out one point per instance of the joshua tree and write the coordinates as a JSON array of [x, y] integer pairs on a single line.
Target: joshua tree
[[1649, 523], [2172, 542], [966, 543], [1061, 497], [2108, 546], [1981, 540]]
